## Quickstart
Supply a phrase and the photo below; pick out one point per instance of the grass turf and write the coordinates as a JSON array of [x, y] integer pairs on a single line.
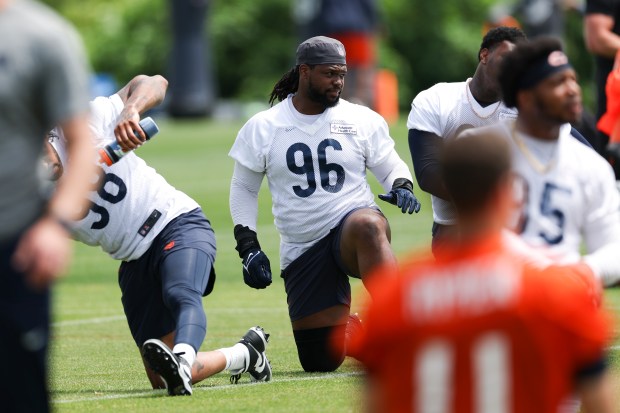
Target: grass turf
[[95, 365]]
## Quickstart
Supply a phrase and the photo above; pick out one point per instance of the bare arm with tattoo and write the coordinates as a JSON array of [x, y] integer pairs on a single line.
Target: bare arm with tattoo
[[139, 95]]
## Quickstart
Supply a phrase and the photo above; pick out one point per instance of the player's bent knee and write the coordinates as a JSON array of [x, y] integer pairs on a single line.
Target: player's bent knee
[[320, 349], [368, 225]]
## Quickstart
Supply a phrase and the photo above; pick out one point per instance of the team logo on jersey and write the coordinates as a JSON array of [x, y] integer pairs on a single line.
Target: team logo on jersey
[[343, 128], [147, 226]]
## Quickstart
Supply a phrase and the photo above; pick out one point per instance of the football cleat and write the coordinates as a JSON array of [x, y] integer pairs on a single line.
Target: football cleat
[[256, 363], [174, 370]]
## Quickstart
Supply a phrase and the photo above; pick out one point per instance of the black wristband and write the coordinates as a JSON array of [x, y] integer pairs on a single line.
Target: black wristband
[[246, 239], [403, 183]]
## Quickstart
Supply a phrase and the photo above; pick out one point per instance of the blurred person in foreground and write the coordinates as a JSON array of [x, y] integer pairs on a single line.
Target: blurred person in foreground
[[166, 245], [565, 193], [445, 110], [43, 82], [477, 328], [315, 148]]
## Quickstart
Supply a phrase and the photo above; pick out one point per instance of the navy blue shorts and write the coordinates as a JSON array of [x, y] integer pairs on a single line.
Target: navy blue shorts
[[318, 279], [143, 281]]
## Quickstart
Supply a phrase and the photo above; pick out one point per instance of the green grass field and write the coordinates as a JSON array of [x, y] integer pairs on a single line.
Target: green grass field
[[95, 365]]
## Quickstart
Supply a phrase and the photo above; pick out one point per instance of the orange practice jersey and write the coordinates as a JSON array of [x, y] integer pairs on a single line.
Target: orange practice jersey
[[479, 332]]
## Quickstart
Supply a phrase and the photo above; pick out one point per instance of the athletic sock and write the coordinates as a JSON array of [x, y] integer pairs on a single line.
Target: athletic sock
[[185, 351], [235, 356]]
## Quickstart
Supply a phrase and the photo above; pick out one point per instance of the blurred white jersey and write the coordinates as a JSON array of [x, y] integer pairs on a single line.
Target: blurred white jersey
[[134, 203], [565, 193], [447, 109], [315, 166]]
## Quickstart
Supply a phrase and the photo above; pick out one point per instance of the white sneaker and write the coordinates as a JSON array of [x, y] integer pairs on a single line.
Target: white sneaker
[[173, 369], [256, 363]]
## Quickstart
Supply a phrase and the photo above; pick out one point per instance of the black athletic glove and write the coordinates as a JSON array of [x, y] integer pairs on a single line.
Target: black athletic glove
[[256, 266], [402, 196]]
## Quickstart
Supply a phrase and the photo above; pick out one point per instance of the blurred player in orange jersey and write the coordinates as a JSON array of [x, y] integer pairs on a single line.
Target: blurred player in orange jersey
[[479, 330]]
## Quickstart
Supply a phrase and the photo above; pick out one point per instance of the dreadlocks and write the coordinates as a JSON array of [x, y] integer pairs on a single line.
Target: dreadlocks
[[286, 85]]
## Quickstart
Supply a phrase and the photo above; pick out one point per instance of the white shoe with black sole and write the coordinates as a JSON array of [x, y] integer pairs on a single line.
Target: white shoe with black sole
[[173, 369]]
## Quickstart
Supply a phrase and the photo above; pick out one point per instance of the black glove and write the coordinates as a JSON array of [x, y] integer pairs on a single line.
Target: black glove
[[256, 266], [402, 196]]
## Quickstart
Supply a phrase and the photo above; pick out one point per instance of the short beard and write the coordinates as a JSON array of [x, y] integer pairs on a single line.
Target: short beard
[[318, 97], [554, 118]]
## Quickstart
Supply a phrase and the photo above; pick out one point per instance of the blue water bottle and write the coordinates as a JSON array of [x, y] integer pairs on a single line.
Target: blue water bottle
[[112, 152]]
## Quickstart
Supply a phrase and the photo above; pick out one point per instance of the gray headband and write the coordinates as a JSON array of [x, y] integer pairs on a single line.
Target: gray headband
[[321, 50]]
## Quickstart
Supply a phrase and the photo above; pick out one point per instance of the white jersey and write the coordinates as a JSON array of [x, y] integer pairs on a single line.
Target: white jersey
[[134, 204], [565, 196], [315, 166], [447, 109]]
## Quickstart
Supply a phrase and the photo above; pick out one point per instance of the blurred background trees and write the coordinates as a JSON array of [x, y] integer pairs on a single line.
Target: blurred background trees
[[253, 42]]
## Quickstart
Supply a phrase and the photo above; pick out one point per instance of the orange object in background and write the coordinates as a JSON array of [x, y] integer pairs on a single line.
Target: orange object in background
[[360, 47], [386, 95], [609, 123], [507, 21]]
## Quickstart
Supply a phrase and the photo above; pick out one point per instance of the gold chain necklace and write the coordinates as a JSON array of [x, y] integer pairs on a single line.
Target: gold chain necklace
[[540, 167], [473, 108]]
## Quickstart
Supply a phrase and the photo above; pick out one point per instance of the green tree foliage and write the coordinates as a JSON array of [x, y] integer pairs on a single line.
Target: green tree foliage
[[435, 41], [122, 38], [253, 42]]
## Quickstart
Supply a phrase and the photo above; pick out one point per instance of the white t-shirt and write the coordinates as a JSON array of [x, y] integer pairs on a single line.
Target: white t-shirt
[[566, 196], [315, 166], [447, 109], [123, 217]]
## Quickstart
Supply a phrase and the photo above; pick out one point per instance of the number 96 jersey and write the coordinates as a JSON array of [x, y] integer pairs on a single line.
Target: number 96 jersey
[[315, 164]]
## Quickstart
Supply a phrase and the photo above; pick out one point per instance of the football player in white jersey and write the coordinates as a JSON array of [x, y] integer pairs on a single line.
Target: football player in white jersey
[[315, 149], [446, 109], [167, 248], [565, 192]]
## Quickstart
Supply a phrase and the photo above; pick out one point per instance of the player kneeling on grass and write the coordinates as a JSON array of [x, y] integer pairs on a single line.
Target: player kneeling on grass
[[167, 249], [314, 148]]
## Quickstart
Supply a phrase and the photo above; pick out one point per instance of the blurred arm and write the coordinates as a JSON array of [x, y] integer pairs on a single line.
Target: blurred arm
[[425, 148], [596, 394], [139, 95], [71, 194], [599, 36], [605, 264], [44, 250]]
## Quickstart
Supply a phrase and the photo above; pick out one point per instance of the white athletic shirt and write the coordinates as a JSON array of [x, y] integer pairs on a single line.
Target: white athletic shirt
[[121, 218], [447, 109], [575, 199], [315, 167]]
